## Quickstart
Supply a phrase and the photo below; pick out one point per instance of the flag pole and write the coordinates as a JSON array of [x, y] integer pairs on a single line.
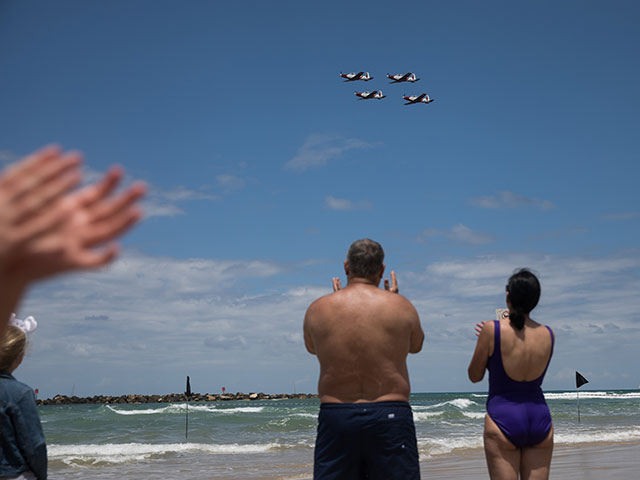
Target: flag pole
[[580, 380], [187, 394]]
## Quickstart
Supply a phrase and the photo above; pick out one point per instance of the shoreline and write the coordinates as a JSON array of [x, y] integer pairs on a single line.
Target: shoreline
[[584, 461], [138, 399]]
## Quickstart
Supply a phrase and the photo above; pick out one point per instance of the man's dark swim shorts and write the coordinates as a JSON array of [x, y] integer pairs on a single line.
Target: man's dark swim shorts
[[366, 441]]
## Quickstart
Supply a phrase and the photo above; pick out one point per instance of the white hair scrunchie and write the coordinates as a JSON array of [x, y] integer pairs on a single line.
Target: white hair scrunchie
[[28, 325]]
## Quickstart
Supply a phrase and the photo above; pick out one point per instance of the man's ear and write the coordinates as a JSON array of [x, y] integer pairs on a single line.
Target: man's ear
[[346, 268], [382, 271]]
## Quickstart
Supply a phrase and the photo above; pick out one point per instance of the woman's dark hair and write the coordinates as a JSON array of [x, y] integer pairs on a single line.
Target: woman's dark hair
[[524, 293]]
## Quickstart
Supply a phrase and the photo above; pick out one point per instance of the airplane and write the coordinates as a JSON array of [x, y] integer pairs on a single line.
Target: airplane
[[377, 94], [352, 77], [413, 99], [407, 77]]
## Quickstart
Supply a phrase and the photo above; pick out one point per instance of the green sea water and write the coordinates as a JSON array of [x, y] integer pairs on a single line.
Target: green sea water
[[275, 438]]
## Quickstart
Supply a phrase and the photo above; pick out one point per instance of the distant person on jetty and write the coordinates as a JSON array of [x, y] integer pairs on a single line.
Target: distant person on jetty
[[48, 227], [518, 433], [23, 452], [362, 336]]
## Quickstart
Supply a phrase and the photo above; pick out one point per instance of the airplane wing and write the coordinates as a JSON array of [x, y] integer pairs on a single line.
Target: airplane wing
[[405, 77], [419, 99], [358, 76]]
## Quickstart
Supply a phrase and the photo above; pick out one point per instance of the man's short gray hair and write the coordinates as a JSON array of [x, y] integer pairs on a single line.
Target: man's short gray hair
[[365, 258]]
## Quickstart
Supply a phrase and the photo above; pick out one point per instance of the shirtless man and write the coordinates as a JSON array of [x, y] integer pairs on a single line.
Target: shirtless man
[[362, 336]]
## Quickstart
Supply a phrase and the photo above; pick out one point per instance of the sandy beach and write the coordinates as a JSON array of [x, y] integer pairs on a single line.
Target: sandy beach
[[585, 462]]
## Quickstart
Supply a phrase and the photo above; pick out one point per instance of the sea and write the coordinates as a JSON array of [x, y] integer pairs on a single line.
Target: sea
[[273, 439]]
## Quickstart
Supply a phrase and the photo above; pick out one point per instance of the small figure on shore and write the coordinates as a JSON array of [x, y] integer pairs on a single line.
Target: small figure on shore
[[23, 451], [518, 432], [362, 336]]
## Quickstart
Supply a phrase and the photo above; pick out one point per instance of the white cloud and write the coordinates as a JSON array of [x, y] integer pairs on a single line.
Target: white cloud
[[622, 215], [459, 234], [147, 321], [181, 193], [507, 199], [229, 183], [164, 203], [318, 149], [334, 203]]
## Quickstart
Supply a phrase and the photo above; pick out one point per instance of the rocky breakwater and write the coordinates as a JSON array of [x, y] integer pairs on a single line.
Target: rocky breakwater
[[169, 398]]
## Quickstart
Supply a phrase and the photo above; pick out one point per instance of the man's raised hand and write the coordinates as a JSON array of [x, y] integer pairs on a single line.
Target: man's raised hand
[[394, 283]]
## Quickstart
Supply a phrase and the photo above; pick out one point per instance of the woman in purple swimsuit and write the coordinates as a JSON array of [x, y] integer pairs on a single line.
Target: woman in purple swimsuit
[[518, 433]]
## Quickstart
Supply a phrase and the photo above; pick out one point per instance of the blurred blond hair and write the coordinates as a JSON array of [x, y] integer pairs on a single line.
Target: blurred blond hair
[[13, 345]]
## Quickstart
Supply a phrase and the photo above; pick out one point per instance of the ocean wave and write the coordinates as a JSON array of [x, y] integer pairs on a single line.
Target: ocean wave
[[429, 447], [146, 411], [612, 436], [421, 416], [181, 409], [587, 394], [306, 415], [475, 415], [460, 403], [93, 454]]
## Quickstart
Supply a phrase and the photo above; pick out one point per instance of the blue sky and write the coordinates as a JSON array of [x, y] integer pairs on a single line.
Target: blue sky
[[263, 167]]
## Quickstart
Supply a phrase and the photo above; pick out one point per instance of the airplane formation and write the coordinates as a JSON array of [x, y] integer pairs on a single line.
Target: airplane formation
[[377, 94]]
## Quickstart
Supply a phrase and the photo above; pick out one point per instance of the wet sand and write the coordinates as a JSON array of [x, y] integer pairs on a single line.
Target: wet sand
[[585, 462]]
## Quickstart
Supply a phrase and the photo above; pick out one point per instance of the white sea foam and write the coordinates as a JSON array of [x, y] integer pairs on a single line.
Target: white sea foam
[[460, 403], [428, 447], [422, 416], [476, 415], [628, 435], [131, 452], [240, 410], [181, 409], [587, 394], [146, 411], [305, 415]]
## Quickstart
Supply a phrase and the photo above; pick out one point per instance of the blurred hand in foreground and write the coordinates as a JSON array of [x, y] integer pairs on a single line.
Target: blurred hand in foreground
[[30, 191], [47, 228]]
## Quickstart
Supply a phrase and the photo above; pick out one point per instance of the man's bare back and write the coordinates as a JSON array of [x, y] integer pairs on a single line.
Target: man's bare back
[[362, 336]]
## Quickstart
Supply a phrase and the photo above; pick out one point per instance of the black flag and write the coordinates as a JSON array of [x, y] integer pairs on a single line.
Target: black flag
[[580, 380], [188, 392]]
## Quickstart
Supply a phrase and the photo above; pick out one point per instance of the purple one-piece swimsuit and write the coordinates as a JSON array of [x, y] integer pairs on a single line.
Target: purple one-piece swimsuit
[[518, 408]]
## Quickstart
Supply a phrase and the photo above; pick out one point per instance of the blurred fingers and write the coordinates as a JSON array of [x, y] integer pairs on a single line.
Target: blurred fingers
[[103, 210], [31, 182], [92, 194], [111, 228]]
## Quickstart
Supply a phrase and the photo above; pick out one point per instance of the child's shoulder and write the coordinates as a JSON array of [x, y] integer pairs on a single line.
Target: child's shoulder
[[10, 388]]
